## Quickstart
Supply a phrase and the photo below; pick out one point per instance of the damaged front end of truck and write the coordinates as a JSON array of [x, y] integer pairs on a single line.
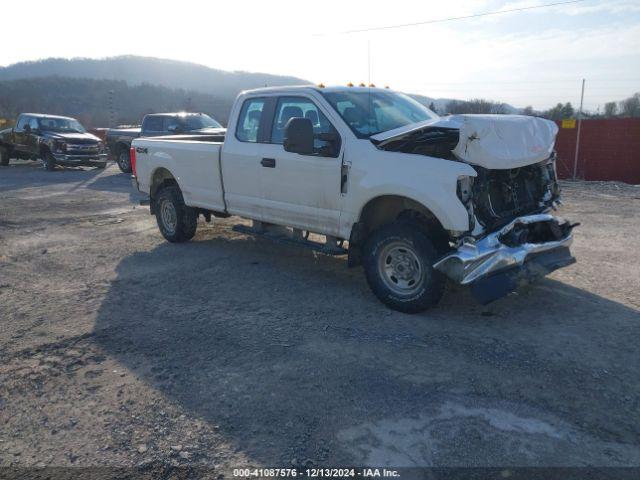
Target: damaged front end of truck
[[512, 238]]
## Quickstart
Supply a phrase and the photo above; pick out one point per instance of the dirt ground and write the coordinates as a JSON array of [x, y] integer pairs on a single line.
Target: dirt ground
[[117, 348]]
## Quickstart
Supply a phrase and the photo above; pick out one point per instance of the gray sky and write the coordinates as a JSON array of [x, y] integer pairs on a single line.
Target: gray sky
[[534, 57]]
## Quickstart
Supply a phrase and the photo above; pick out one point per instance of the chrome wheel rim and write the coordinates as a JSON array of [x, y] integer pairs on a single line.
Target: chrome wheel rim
[[168, 216], [123, 160], [400, 268]]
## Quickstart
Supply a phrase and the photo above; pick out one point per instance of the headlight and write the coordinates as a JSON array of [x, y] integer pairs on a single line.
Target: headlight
[[465, 194]]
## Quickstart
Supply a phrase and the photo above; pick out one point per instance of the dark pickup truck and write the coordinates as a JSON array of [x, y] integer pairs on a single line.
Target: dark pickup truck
[[52, 139], [159, 124]]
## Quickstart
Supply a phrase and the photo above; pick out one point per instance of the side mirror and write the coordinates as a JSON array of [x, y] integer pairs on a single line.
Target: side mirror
[[298, 136], [27, 128], [175, 129]]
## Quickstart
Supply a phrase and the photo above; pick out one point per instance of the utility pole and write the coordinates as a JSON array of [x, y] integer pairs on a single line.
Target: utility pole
[[368, 62], [112, 113], [575, 160]]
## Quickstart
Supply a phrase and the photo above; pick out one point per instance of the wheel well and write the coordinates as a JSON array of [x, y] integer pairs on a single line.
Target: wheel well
[[390, 208], [161, 178]]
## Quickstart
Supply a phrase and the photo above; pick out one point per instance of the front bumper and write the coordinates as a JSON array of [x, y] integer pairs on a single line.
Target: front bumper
[[526, 249], [63, 158]]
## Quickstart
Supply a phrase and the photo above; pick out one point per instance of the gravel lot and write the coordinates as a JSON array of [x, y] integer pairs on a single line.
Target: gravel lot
[[117, 348]]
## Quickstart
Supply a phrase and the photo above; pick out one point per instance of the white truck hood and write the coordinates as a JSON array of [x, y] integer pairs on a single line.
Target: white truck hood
[[490, 141]]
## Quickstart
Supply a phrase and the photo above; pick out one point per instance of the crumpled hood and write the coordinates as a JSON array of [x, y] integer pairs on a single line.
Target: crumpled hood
[[504, 141], [490, 141], [381, 139]]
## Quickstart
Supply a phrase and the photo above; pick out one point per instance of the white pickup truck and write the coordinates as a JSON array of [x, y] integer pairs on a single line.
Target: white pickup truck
[[411, 196]]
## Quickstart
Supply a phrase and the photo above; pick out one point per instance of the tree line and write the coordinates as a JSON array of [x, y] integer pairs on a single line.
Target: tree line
[[104, 103], [627, 108]]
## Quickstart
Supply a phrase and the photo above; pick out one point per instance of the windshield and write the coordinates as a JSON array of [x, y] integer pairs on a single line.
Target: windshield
[[370, 112], [68, 125], [200, 121]]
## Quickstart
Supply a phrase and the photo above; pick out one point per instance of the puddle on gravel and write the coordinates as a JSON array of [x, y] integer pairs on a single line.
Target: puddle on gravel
[[459, 435]]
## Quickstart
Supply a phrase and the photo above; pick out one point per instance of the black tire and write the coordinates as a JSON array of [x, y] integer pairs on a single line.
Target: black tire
[[101, 165], [398, 262], [177, 222], [124, 161], [48, 161], [4, 156]]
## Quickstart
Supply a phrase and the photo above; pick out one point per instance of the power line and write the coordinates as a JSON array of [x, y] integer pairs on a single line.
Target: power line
[[450, 19], [527, 82]]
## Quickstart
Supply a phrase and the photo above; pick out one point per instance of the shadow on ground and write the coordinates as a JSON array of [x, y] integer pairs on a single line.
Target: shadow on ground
[[291, 357], [24, 174], [27, 174]]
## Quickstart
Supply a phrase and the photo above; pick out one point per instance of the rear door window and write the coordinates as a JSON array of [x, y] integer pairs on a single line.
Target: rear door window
[[170, 123], [153, 124], [250, 119]]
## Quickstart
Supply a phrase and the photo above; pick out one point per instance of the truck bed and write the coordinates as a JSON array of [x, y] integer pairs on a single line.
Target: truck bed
[[124, 132], [194, 165]]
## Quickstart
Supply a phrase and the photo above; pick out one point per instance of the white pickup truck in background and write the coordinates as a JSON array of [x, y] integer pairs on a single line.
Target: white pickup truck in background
[[411, 196]]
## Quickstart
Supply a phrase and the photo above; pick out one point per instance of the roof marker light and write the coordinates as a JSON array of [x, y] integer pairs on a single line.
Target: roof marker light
[[349, 84], [321, 85]]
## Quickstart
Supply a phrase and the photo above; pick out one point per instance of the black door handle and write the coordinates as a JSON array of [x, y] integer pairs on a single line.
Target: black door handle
[[268, 162]]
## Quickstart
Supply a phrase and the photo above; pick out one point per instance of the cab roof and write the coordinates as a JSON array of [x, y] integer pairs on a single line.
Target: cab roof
[[45, 115], [315, 88], [174, 114]]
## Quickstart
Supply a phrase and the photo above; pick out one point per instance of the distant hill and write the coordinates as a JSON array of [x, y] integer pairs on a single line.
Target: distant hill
[[155, 71], [80, 87], [88, 100]]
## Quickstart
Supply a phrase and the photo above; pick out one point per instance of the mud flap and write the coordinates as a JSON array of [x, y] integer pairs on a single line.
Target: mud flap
[[499, 284]]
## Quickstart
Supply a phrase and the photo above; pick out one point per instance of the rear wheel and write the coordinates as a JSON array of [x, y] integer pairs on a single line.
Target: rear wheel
[[4, 156], [124, 161], [398, 262], [177, 222]]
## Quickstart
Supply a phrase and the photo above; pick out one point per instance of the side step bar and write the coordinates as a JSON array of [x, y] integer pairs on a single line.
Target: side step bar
[[290, 237]]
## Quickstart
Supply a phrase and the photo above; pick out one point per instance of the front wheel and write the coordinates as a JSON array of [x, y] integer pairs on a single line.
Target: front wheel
[[124, 161], [398, 262], [101, 165], [4, 156], [177, 222], [48, 162]]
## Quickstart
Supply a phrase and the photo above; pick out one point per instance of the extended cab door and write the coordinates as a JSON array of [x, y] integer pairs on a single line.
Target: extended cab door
[[241, 156], [302, 190]]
